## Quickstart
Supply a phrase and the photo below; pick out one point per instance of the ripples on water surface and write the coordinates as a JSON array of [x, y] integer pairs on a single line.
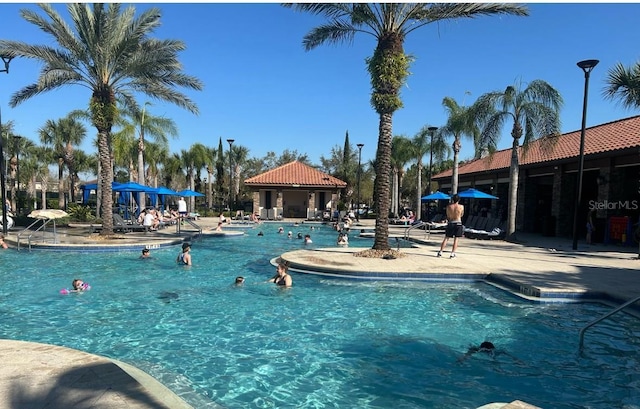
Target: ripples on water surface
[[325, 343]]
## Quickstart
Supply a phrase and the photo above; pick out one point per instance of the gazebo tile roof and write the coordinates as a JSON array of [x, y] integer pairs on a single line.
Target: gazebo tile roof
[[295, 174], [611, 136]]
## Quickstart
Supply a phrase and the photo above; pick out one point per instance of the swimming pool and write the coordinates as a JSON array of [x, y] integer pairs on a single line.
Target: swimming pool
[[323, 343]]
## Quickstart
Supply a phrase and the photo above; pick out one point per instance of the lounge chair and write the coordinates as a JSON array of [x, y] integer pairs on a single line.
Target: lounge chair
[[121, 225]]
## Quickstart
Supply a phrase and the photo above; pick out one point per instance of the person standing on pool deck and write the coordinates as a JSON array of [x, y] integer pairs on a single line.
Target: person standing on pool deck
[[182, 207], [184, 257], [455, 211]]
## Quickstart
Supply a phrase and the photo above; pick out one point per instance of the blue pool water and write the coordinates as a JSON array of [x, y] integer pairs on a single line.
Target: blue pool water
[[325, 343]]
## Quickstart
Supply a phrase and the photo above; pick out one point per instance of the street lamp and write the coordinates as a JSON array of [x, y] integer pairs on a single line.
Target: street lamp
[[230, 174], [360, 145], [6, 60], [587, 66], [432, 131], [16, 139]]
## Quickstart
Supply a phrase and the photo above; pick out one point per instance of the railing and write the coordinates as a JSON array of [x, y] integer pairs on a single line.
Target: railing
[[413, 226], [43, 228], [189, 221], [607, 315]]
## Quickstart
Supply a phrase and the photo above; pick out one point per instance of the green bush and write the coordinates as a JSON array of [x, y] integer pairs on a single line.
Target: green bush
[[80, 213]]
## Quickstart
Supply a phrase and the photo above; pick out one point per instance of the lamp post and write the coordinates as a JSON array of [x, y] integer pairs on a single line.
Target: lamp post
[[586, 66], [16, 139], [6, 60], [230, 174], [360, 145]]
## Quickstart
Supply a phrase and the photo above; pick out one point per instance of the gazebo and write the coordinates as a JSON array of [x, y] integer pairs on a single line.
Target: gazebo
[[294, 190]]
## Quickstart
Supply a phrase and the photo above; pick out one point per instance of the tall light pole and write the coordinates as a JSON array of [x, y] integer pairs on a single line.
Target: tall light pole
[[432, 131], [230, 174], [587, 66], [360, 145], [6, 60], [16, 139]]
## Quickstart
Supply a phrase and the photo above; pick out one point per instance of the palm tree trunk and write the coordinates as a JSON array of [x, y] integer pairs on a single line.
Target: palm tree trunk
[[419, 198], [513, 189], [104, 183], [141, 168], [383, 170], [454, 174], [60, 187]]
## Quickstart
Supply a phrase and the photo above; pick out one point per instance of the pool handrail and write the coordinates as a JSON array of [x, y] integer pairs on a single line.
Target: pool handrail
[[45, 221], [607, 315]]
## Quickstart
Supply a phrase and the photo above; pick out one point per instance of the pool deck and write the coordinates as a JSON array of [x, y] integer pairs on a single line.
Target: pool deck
[[546, 269]]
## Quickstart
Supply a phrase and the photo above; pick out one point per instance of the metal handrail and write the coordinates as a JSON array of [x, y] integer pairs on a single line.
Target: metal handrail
[[194, 225], [35, 231], [413, 226], [607, 315]]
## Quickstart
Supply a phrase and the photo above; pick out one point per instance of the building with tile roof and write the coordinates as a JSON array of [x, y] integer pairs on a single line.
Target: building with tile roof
[[547, 187], [294, 190]]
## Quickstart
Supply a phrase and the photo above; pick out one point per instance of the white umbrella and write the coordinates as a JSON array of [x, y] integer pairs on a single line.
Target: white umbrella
[[48, 214]]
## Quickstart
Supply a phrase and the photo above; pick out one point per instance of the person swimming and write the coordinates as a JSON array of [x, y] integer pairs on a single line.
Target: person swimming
[[184, 257], [145, 253], [239, 280], [282, 278]]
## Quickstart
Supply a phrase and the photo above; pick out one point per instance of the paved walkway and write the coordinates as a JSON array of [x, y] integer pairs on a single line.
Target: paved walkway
[[34, 376]]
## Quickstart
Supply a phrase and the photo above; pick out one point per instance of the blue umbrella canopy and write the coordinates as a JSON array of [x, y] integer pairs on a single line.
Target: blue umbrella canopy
[[435, 196], [164, 191], [188, 192], [475, 194]]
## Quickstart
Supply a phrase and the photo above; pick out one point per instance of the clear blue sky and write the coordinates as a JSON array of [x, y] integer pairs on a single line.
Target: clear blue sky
[[263, 90]]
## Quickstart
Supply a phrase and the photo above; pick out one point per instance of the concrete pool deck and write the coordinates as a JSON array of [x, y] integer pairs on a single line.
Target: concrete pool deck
[[544, 268]]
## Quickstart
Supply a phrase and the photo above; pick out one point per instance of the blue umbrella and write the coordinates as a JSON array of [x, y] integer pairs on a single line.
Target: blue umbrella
[[435, 196], [188, 192], [161, 192], [475, 194]]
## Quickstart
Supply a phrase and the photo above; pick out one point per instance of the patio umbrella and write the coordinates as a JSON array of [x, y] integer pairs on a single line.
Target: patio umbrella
[[475, 194], [435, 196], [161, 192], [48, 214], [188, 193]]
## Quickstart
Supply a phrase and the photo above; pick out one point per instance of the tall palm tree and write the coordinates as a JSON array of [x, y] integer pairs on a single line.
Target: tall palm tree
[[61, 136], [239, 156], [389, 24], [141, 123], [220, 172], [156, 155], [460, 123], [535, 112], [623, 84], [423, 143], [401, 154], [110, 51]]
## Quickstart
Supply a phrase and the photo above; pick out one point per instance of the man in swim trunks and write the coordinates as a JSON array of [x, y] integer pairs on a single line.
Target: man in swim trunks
[[455, 211]]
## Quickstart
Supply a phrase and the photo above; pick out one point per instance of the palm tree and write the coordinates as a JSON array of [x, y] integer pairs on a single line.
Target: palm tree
[[400, 156], [534, 110], [424, 142], [461, 122], [239, 156], [624, 84], [389, 24], [143, 124], [110, 51], [61, 136], [156, 154]]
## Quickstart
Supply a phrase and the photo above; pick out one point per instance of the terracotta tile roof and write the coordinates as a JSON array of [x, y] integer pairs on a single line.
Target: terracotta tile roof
[[295, 174], [612, 136]]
